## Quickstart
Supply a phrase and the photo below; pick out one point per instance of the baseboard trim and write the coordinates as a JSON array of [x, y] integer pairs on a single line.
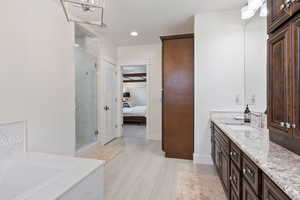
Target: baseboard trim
[[179, 156], [202, 159]]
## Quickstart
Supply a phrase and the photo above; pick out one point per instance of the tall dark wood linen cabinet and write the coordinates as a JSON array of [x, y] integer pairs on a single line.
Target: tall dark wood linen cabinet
[[178, 96]]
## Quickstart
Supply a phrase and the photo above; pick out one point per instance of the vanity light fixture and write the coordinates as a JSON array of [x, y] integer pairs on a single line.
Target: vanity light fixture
[[84, 11], [255, 4], [250, 9], [247, 13], [263, 10]]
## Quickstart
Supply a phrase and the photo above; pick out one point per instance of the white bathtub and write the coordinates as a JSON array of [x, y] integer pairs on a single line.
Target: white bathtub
[[35, 176]]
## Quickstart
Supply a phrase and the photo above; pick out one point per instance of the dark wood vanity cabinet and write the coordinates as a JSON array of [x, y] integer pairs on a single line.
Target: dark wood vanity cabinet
[[241, 178]]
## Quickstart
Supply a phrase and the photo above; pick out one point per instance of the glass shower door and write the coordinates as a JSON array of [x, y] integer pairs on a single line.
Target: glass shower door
[[86, 98]]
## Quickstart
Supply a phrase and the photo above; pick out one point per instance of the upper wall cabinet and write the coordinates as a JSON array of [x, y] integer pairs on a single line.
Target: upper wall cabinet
[[280, 11], [279, 81], [284, 83]]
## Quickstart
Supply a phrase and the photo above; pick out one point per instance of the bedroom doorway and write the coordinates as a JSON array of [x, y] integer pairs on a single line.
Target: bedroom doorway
[[134, 101]]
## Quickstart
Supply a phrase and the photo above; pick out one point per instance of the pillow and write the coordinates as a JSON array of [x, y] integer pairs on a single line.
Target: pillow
[[131, 104], [126, 105]]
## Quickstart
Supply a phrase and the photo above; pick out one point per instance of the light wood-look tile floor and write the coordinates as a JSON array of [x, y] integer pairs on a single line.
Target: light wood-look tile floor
[[142, 172]]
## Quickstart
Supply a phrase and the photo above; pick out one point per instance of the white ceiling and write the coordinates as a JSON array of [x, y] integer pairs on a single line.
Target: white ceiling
[[154, 18]]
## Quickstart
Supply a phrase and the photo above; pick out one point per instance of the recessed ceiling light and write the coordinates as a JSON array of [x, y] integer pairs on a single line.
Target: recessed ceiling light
[[134, 33]]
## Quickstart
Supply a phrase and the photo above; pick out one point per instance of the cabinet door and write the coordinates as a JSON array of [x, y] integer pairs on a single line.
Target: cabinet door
[[295, 6], [248, 194], [271, 191], [296, 79], [279, 80], [225, 164], [218, 156], [213, 143], [277, 15]]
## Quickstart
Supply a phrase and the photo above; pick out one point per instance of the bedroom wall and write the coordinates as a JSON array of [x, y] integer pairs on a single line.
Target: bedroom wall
[[137, 93], [148, 54]]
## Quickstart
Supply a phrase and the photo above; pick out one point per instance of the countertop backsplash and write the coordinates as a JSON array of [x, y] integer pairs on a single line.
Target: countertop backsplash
[[258, 120]]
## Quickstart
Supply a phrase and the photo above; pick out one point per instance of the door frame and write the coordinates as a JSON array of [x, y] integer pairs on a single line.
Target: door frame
[[147, 63]]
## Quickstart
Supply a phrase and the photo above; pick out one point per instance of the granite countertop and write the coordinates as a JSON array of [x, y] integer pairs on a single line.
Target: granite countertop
[[280, 164]]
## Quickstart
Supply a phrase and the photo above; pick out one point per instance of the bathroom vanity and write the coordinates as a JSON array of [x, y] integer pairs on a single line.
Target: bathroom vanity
[[250, 166]]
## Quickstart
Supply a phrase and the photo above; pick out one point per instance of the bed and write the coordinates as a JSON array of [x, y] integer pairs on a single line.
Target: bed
[[136, 114]]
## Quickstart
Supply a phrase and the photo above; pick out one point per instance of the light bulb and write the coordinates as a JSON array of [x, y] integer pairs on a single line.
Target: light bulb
[[263, 10]]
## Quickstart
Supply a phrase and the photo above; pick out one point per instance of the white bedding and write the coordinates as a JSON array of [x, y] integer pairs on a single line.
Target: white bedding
[[135, 111]]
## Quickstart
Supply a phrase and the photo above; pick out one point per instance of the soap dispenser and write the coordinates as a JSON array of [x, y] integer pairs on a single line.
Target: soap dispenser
[[247, 115]]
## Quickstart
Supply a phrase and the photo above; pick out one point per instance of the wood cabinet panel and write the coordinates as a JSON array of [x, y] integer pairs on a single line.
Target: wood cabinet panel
[[279, 82], [225, 170], [252, 174], [296, 77], [277, 16], [248, 194], [236, 155], [218, 156], [178, 96], [235, 179], [271, 191], [233, 195]]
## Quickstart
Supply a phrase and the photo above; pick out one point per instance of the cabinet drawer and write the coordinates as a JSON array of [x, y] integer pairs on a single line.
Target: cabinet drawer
[[222, 139], [271, 191], [252, 174], [248, 194], [236, 155], [235, 179]]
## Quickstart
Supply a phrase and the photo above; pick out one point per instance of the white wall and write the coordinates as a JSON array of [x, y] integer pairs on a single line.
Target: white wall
[[256, 62], [145, 54], [37, 73], [138, 93], [219, 72]]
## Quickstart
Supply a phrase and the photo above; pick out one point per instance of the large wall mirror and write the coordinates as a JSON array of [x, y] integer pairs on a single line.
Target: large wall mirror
[[255, 31]]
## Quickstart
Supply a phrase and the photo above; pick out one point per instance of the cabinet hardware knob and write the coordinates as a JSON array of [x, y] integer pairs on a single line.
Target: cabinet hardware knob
[[283, 6], [230, 178], [244, 171]]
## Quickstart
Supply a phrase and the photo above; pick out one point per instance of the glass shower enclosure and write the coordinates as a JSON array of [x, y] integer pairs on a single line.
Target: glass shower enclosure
[[86, 98]]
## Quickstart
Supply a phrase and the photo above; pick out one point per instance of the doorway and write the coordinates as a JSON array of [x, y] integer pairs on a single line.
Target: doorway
[[134, 101]]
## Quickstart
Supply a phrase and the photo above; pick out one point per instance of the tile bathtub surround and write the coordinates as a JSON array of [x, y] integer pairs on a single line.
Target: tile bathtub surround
[[281, 165]]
